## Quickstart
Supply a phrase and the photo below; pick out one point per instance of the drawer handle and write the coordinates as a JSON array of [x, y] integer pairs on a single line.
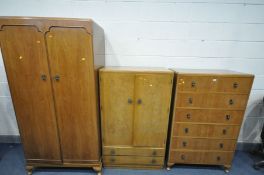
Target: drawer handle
[[231, 101], [235, 85], [228, 117], [224, 131], [184, 144], [190, 100], [221, 145], [112, 152], [218, 158], [112, 160], [188, 116], [129, 101], [153, 161], [154, 153], [193, 84], [139, 101], [43, 77], [186, 130], [182, 157]]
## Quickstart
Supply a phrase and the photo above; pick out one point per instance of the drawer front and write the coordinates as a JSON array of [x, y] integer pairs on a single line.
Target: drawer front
[[196, 84], [211, 100], [205, 130], [132, 160], [196, 157], [203, 144], [223, 131], [235, 84], [136, 151], [214, 84], [208, 116]]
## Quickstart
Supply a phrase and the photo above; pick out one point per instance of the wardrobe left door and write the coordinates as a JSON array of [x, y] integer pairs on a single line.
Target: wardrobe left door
[[25, 59]]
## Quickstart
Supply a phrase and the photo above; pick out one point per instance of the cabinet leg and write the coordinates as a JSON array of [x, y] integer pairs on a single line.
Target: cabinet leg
[[227, 168], [29, 169], [98, 169]]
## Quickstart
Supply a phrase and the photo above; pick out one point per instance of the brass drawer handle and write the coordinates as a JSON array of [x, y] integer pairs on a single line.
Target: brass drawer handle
[[182, 157], [231, 101], [224, 131], [193, 84], [139, 101], [186, 130], [218, 158], [221, 145], [184, 144], [112, 152], [153, 161], [235, 85], [154, 153], [43, 77], [129, 101], [188, 116], [190, 100], [228, 117]]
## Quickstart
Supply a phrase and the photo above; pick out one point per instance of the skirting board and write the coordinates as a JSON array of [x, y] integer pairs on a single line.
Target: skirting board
[[10, 139], [242, 146]]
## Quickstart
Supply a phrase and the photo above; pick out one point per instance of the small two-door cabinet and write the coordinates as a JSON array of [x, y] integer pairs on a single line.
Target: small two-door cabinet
[[52, 66], [135, 107], [209, 106]]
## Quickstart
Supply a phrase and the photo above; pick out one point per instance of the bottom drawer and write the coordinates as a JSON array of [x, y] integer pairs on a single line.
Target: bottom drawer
[[201, 157], [133, 160]]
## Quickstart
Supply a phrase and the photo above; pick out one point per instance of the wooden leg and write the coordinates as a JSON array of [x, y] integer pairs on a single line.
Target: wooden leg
[[29, 169], [227, 168], [98, 169]]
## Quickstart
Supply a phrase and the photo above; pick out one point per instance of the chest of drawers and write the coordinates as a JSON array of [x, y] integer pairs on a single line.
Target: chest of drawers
[[208, 111]]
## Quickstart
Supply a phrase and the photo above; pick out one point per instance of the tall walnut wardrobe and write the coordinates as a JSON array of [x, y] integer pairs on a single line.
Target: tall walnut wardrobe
[[135, 107], [52, 66]]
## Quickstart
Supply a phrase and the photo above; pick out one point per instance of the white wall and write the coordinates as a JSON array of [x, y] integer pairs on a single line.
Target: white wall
[[222, 34]]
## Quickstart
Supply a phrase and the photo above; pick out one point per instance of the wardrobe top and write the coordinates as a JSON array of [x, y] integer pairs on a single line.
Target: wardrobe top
[[210, 72], [135, 69], [43, 24]]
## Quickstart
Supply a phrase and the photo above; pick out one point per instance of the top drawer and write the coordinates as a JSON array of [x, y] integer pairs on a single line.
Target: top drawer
[[214, 84]]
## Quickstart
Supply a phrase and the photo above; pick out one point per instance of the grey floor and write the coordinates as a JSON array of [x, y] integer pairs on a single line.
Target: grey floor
[[12, 163]]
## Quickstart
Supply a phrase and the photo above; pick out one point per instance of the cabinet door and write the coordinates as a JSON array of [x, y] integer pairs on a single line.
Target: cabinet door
[[152, 95], [117, 101], [24, 54], [71, 62]]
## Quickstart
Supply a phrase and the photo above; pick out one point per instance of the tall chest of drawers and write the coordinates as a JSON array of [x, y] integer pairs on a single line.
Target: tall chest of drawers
[[208, 111]]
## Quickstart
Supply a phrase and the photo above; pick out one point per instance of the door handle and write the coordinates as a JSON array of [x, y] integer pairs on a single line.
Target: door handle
[[57, 78], [43, 77], [139, 101]]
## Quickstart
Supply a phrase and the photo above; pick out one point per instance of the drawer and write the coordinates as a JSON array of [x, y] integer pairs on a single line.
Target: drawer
[[235, 84], [136, 151], [202, 144], [204, 100], [208, 116], [214, 84], [205, 130], [204, 157], [132, 160]]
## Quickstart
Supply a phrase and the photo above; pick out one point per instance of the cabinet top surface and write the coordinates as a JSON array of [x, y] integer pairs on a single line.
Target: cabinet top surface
[[209, 72], [43, 24], [135, 69]]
